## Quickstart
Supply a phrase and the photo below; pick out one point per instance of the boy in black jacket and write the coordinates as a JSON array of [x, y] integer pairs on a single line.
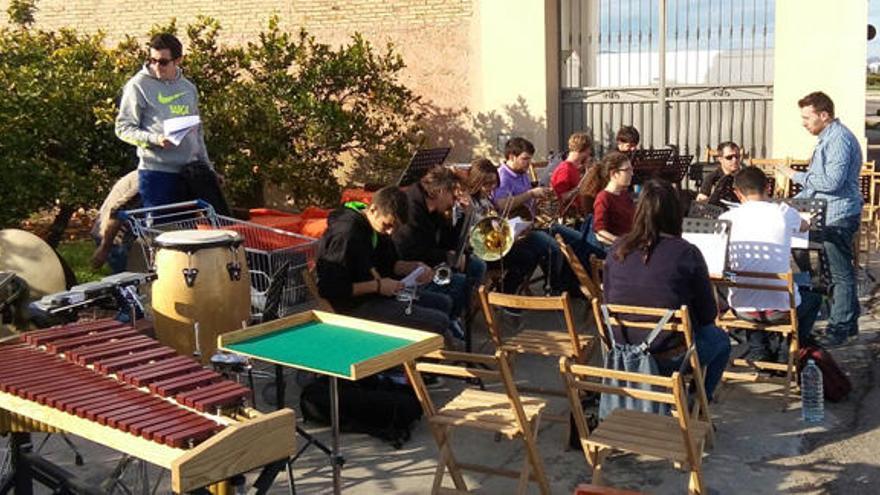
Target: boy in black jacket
[[358, 268]]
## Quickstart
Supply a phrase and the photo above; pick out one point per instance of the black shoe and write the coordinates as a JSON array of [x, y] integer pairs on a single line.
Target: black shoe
[[829, 340], [758, 355]]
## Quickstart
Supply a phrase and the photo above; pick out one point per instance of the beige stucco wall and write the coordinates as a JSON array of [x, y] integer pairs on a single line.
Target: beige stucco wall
[[512, 76], [820, 46]]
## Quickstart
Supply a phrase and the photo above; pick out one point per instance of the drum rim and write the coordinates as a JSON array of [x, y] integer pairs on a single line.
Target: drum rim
[[233, 239]]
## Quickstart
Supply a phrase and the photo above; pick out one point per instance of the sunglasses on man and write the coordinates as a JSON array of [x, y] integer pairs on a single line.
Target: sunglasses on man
[[161, 61], [731, 157]]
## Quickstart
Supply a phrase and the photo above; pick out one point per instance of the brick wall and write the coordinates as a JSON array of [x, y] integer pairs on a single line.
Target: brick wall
[[433, 37], [242, 19]]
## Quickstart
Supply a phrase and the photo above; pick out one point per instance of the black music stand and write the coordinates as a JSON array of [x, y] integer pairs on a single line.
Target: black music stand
[[802, 257], [680, 165], [420, 163], [704, 210], [700, 231], [649, 163]]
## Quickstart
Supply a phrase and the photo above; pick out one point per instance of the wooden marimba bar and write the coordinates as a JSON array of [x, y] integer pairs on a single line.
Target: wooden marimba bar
[[90, 378]]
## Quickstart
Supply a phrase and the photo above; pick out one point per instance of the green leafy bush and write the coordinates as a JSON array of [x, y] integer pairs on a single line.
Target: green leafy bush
[[283, 109]]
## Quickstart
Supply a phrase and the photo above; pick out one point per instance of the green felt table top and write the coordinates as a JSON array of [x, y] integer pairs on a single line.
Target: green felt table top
[[319, 346]]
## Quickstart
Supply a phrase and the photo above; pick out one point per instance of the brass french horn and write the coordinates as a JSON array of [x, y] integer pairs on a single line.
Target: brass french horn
[[491, 238]]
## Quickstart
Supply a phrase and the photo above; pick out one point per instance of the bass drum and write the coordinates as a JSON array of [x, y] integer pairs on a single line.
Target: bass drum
[[202, 289]]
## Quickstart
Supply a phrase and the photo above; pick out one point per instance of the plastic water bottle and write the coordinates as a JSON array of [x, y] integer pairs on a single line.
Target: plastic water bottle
[[812, 398]]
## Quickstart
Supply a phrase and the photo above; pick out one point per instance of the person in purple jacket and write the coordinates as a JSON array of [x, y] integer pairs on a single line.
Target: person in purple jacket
[[653, 266]]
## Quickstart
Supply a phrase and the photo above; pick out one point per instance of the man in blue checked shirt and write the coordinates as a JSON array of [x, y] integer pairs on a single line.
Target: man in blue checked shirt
[[833, 175]]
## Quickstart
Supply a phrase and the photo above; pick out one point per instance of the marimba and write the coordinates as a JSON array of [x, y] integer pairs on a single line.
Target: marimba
[[108, 382]]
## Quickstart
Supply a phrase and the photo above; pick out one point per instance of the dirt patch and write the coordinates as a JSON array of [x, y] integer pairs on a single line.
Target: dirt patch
[[77, 229]]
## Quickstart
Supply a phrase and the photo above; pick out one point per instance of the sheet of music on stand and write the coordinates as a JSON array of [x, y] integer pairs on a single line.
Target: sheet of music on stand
[[801, 240], [712, 246]]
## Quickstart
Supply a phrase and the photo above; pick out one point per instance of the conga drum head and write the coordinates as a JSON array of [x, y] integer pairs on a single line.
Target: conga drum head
[[192, 240]]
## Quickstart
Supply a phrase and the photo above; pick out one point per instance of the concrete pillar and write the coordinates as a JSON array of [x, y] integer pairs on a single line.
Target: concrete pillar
[[820, 46]]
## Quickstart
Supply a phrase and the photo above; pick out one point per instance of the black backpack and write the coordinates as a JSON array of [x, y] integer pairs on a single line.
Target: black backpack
[[374, 405]]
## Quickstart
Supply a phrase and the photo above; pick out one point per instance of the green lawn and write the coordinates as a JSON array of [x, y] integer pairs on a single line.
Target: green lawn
[[78, 254]]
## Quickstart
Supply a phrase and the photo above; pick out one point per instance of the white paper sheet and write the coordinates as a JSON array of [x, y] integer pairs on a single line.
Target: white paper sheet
[[176, 129], [713, 247], [518, 226], [801, 239], [411, 280]]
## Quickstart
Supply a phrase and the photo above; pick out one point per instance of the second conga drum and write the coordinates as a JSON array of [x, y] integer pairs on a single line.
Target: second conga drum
[[202, 279]]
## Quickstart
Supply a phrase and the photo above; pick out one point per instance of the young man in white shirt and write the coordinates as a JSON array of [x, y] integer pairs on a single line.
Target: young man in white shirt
[[760, 241]]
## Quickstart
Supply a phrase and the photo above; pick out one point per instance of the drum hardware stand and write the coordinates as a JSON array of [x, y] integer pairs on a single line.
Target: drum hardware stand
[[197, 348], [336, 462], [190, 273], [234, 267], [115, 480]]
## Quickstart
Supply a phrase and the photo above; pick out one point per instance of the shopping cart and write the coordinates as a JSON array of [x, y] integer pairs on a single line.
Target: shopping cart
[[273, 255]]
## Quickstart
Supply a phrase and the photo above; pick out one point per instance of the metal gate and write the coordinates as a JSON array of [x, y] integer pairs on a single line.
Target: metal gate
[[691, 73]]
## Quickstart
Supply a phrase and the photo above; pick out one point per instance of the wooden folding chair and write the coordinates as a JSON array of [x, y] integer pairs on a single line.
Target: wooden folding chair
[[788, 329], [597, 271], [776, 181], [647, 318], [538, 342], [588, 286], [679, 438], [505, 413]]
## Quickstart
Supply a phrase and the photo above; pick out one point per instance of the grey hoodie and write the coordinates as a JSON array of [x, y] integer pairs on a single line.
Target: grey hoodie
[[146, 102]]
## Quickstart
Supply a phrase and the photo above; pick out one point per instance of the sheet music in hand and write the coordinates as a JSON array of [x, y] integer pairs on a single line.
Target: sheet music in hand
[[518, 226], [411, 280], [175, 129]]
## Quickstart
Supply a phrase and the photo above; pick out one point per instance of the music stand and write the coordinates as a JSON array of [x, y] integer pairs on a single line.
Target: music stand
[[712, 238], [420, 163], [649, 163]]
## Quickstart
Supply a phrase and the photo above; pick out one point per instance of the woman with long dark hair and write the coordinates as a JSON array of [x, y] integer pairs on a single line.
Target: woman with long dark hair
[[653, 266]]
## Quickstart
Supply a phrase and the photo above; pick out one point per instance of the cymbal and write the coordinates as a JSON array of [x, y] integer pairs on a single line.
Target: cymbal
[[33, 260]]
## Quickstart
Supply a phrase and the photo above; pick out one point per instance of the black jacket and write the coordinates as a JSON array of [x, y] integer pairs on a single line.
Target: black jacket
[[426, 236], [346, 253]]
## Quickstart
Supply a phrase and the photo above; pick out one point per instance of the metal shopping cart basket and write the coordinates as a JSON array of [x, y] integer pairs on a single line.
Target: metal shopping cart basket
[[273, 255]]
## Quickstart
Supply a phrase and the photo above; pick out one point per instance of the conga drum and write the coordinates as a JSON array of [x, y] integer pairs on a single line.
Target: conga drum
[[202, 289]]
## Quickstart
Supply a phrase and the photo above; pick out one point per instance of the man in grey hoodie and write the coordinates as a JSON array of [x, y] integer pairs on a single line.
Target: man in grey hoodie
[[159, 92]]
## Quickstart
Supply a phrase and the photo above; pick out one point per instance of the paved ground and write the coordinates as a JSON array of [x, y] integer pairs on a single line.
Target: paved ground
[[759, 449]]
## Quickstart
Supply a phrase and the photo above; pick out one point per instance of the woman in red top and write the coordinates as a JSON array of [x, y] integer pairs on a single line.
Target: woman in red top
[[613, 207]]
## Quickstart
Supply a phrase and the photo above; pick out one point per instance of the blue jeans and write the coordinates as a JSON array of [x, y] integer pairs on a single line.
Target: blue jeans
[[713, 349], [838, 238], [807, 313], [541, 242], [161, 188]]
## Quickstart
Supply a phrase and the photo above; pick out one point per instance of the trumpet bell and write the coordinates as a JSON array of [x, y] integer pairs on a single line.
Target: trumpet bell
[[491, 238]]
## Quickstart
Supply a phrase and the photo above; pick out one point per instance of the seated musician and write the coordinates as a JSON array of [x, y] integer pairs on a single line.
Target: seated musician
[[627, 139], [429, 236], [359, 272], [516, 196], [718, 185], [566, 179], [759, 224], [528, 250], [653, 266], [608, 183]]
